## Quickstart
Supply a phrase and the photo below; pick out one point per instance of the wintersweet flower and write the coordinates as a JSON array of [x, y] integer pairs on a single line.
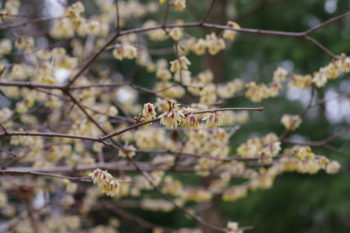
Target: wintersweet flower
[[199, 47], [99, 176], [279, 74], [258, 92], [148, 112], [179, 64], [111, 188], [129, 152], [172, 118], [105, 181], [229, 89], [333, 167], [5, 46], [179, 5], [271, 149], [25, 43], [196, 194], [190, 121], [169, 90], [157, 205], [232, 227], [163, 74], [231, 34], [291, 122], [122, 51], [300, 81], [74, 11], [320, 79], [213, 120], [183, 77], [176, 33], [214, 44], [235, 193]]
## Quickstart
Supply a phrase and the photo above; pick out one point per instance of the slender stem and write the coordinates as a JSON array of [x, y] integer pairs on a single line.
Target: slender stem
[[35, 173], [30, 85], [321, 25], [33, 21], [208, 11], [44, 134], [319, 45], [117, 16], [80, 106], [158, 118], [184, 210], [321, 142], [127, 215], [89, 62], [111, 166]]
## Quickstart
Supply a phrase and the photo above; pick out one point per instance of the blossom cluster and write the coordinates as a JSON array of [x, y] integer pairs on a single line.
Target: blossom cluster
[[105, 181], [70, 111]]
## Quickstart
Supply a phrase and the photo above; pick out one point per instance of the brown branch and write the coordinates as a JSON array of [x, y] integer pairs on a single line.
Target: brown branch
[[260, 109], [166, 16], [206, 156], [14, 15], [111, 166], [81, 107], [303, 35], [89, 62], [319, 45], [324, 100], [332, 20], [5, 227], [215, 26], [49, 134], [169, 199], [286, 132], [127, 215], [96, 85], [33, 21], [8, 152], [13, 171], [117, 16], [323, 142], [211, 6], [30, 85], [158, 118]]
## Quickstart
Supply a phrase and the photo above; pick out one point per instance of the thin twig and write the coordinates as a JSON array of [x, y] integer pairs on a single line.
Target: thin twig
[[127, 215], [165, 197], [321, 25], [33, 21], [49, 134], [211, 6], [158, 118], [321, 142], [319, 45], [117, 16]]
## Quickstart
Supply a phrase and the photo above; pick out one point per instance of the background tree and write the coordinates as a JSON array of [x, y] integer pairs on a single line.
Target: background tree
[[176, 110]]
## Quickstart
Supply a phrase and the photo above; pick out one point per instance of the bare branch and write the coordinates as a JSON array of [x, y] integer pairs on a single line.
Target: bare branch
[[330, 21], [211, 6], [158, 118], [51, 134], [323, 142]]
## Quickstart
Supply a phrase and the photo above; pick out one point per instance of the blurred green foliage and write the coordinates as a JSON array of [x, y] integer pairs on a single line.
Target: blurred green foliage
[[296, 203]]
